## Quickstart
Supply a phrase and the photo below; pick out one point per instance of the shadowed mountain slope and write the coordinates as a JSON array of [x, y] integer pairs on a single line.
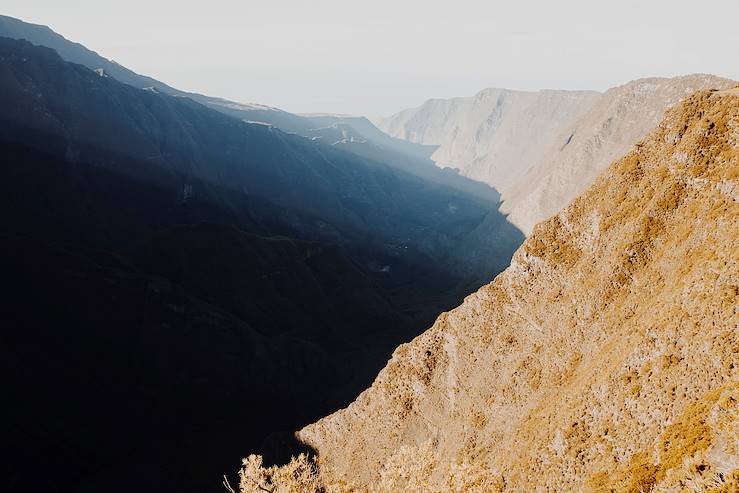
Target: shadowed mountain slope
[[77, 53], [147, 234], [187, 304], [370, 142], [358, 200]]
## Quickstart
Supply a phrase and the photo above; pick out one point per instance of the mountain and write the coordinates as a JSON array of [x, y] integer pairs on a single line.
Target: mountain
[[77, 53], [603, 359], [370, 142], [493, 136], [622, 116], [541, 149], [353, 200], [186, 286]]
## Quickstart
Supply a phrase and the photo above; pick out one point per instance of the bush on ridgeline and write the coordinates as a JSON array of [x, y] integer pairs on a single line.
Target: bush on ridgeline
[[407, 470], [300, 475]]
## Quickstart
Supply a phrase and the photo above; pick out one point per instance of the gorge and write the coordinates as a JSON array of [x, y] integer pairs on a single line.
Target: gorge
[[515, 291]]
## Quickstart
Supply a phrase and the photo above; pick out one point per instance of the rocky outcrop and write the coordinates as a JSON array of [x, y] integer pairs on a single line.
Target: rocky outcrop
[[605, 358], [540, 150]]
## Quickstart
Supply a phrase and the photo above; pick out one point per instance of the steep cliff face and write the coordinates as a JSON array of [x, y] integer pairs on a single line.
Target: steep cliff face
[[540, 150], [495, 135], [605, 358], [623, 116]]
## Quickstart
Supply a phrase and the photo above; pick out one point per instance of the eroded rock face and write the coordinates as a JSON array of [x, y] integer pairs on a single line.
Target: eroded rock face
[[605, 358], [542, 149], [494, 136]]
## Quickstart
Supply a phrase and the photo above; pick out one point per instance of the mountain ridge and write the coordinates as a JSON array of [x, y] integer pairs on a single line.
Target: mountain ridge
[[621, 308], [257, 160], [407, 157], [77, 53]]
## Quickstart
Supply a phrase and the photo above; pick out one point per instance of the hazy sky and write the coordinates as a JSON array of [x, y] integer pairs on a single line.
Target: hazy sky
[[376, 57]]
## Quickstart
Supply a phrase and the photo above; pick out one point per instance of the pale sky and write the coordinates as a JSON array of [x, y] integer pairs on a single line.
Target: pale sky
[[376, 57]]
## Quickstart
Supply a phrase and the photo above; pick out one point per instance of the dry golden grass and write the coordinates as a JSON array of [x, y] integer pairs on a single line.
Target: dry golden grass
[[605, 358]]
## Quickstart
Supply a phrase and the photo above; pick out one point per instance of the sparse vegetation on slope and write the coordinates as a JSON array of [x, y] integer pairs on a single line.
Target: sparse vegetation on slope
[[604, 359]]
